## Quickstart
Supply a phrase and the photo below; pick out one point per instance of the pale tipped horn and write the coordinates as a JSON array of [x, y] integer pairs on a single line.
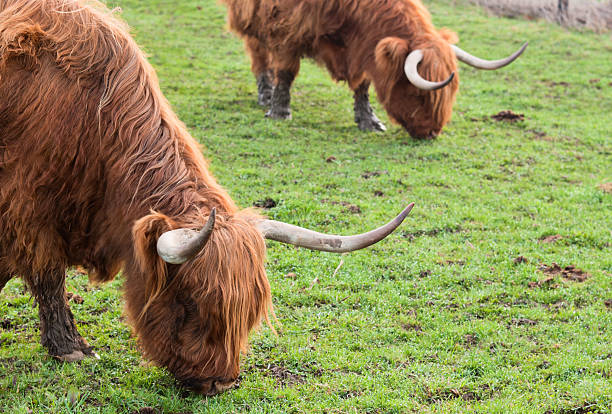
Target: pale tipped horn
[[178, 246], [478, 63], [410, 68], [298, 236]]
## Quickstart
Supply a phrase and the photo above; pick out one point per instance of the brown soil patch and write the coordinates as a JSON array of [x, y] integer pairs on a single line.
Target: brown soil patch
[[606, 187], [470, 340], [608, 303], [331, 158], [369, 174], [265, 203], [523, 322], [508, 116], [412, 327], [6, 324], [351, 208], [378, 193], [452, 393], [551, 239], [284, 376], [520, 259], [568, 272]]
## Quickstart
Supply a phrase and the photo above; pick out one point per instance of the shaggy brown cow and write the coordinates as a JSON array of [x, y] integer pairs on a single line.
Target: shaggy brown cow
[[359, 41], [96, 170]]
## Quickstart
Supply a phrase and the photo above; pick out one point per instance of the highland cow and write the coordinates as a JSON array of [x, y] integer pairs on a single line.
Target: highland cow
[[96, 170], [360, 42]]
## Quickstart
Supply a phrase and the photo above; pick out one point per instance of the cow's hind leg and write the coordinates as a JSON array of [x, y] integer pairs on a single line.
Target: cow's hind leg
[[364, 116], [4, 278], [58, 331], [261, 69]]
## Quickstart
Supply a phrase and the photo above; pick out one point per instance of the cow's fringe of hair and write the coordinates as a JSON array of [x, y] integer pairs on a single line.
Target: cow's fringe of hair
[[231, 286]]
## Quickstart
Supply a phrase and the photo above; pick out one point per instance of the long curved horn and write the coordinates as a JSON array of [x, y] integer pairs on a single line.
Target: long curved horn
[[410, 68], [298, 236], [478, 63], [178, 246]]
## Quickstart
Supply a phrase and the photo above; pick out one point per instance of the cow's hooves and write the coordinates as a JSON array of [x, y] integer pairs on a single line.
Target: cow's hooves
[[371, 125], [77, 355], [278, 114], [71, 357]]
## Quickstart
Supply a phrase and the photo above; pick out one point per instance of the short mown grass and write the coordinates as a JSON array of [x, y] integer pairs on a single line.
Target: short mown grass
[[453, 312]]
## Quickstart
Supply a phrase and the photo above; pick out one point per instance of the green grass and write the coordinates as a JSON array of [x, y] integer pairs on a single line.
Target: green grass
[[436, 318]]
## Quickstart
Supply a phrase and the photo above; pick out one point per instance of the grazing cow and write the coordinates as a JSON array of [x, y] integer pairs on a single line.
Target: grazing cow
[[96, 170], [359, 41]]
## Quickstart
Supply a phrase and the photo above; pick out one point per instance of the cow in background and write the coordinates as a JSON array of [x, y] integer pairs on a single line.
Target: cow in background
[[361, 42]]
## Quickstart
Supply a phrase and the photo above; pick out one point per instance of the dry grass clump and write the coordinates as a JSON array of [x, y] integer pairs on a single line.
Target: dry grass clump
[[591, 14]]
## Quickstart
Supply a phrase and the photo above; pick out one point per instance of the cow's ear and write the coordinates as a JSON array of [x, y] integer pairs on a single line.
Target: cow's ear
[[448, 35], [390, 54], [145, 233]]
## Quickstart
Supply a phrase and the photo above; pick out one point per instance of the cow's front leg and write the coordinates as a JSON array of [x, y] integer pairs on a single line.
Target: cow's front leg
[[281, 95], [58, 331], [260, 67], [364, 116]]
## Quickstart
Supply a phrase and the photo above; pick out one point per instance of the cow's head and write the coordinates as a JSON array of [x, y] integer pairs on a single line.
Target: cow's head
[[194, 296], [417, 81]]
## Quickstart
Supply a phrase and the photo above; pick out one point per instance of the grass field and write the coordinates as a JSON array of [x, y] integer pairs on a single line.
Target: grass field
[[461, 310]]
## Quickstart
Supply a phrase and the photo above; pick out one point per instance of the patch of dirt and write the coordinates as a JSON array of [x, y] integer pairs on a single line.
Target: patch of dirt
[[6, 324], [520, 259], [549, 283], [452, 393], [345, 395], [450, 262], [606, 187], [351, 208], [508, 116], [586, 408], [291, 275], [265, 203], [553, 83], [523, 322], [369, 174], [550, 239], [470, 340], [568, 272], [73, 297], [608, 303], [539, 135], [146, 410], [331, 158], [424, 273], [149, 410], [284, 376], [412, 327], [378, 193], [433, 232]]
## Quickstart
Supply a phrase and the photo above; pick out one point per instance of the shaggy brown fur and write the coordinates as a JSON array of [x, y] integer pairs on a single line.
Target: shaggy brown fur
[[94, 166], [359, 41]]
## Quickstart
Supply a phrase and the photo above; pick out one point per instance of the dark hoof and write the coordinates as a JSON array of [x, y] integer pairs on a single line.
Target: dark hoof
[[77, 355], [282, 114], [372, 124]]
